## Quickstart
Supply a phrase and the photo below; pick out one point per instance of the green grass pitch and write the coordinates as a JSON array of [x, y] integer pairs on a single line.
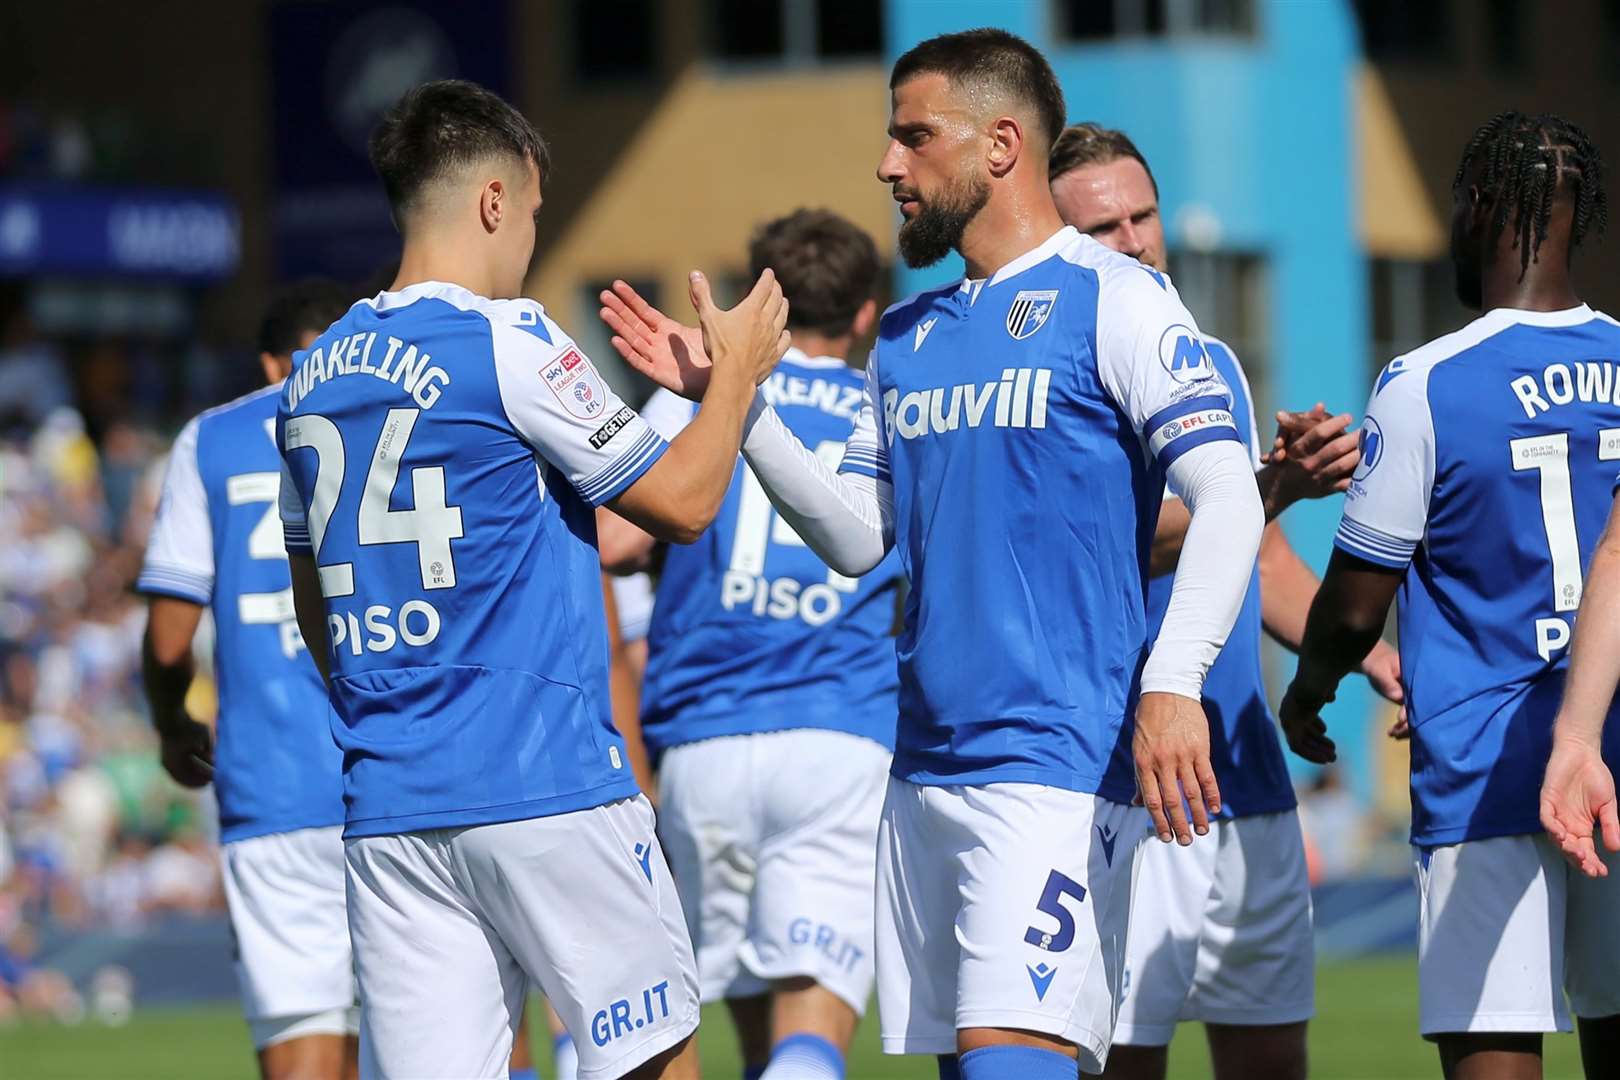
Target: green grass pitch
[[1366, 1029]]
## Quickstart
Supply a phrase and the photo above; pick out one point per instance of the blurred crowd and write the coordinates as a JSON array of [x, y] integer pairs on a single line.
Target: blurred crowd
[[92, 833]]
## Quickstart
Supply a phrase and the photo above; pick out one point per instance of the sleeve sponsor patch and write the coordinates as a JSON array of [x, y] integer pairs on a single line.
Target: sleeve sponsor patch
[[576, 384], [616, 423]]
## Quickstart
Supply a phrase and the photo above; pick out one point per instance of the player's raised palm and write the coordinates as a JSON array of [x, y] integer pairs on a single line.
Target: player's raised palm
[[672, 354], [1577, 791]]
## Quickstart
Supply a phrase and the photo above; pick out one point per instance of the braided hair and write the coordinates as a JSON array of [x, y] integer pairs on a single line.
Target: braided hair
[[1526, 161]]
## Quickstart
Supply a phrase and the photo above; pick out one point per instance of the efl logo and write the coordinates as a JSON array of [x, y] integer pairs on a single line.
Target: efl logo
[[1183, 355], [576, 384]]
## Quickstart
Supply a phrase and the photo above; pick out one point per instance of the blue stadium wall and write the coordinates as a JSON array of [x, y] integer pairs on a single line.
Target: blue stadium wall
[[1257, 135]]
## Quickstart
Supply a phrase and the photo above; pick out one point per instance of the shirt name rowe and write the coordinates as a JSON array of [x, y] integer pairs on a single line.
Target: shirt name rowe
[[1561, 384], [411, 370], [1019, 399]]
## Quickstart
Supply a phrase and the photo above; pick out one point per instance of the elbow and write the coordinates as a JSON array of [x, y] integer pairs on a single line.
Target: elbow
[[168, 653], [685, 532], [852, 563]]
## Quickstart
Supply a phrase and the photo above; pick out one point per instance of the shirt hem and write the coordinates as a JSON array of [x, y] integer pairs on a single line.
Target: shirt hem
[[230, 834], [492, 815], [705, 728], [1085, 784], [1433, 838]]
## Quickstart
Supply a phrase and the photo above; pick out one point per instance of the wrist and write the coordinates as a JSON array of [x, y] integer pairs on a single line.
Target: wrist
[[1274, 498], [1568, 731]]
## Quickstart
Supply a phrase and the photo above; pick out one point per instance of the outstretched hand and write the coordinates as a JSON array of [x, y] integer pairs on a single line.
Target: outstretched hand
[[753, 334], [679, 357], [669, 353], [1578, 791]]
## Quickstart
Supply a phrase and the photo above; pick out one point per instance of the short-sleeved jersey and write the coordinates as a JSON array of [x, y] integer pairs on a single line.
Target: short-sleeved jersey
[[1024, 422], [444, 453], [1244, 748], [751, 631], [216, 541], [1488, 458]]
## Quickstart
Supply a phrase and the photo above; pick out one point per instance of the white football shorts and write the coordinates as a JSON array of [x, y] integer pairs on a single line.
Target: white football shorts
[[289, 923], [1220, 931], [1505, 928], [450, 926], [773, 842], [1002, 906]]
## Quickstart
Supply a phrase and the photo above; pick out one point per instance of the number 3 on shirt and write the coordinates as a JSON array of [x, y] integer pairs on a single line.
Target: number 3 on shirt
[[431, 525]]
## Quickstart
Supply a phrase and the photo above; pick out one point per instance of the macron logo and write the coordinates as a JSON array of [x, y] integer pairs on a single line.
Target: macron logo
[[922, 332], [1106, 838], [1041, 976], [644, 857]]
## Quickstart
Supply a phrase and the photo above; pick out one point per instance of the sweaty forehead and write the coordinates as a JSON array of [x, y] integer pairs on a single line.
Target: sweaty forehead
[[1111, 190], [934, 99]]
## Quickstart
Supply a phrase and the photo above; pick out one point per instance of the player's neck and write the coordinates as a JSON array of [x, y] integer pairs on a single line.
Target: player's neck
[[1008, 226], [1543, 288], [442, 262], [814, 344]]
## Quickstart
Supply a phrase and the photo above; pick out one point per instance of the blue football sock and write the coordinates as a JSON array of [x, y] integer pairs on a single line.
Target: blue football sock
[[804, 1057], [753, 1072], [1022, 1062], [948, 1067], [524, 1074]]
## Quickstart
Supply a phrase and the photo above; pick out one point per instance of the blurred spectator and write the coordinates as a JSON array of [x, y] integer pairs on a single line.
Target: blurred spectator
[[1335, 827]]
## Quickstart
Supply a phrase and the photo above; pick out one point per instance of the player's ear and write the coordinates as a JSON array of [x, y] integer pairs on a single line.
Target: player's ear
[[276, 367], [865, 316], [492, 204], [1006, 143]]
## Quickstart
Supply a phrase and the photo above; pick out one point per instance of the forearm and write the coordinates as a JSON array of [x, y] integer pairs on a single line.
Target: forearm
[[1338, 635], [1287, 587], [1223, 536], [681, 494], [624, 546], [166, 681], [1168, 537], [846, 519], [310, 609], [1594, 665]]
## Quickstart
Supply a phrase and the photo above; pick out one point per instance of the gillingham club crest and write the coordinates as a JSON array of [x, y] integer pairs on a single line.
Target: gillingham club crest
[[1029, 312]]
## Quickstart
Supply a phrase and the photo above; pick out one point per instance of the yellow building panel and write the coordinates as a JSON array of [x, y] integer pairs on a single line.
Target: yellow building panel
[[1398, 218], [721, 154]]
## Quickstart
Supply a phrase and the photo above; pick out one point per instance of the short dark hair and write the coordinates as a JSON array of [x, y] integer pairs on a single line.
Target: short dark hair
[[306, 306], [828, 267], [990, 57], [445, 125], [1092, 144]]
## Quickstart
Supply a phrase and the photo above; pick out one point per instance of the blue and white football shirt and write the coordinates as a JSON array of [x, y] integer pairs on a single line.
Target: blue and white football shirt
[[751, 631], [1024, 423], [216, 541], [1244, 748], [1488, 459], [444, 453]]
